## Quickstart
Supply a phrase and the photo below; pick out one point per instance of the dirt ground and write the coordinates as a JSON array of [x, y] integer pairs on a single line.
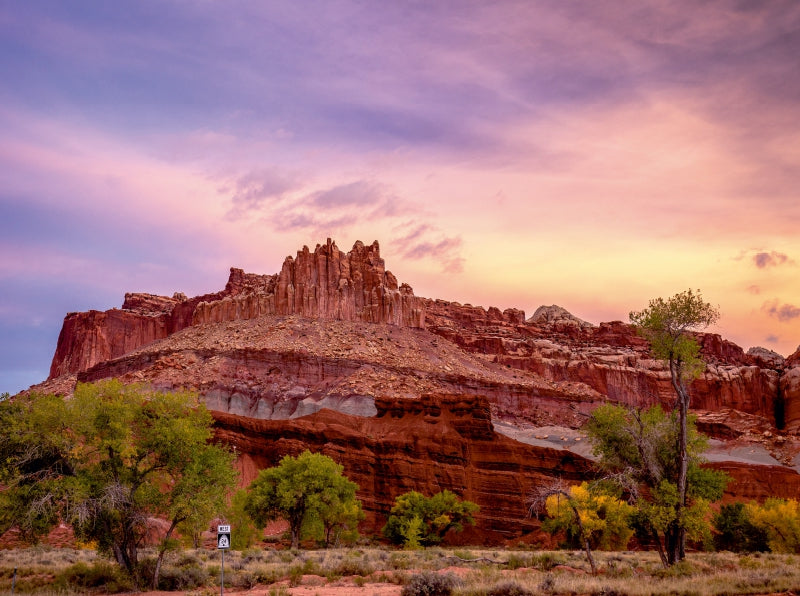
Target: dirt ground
[[379, 589]]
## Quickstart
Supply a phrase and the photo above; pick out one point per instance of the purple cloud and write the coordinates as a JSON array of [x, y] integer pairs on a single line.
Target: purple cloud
[[769, 259], [447, 250], [782, 312], [360, 192], [255, 189]]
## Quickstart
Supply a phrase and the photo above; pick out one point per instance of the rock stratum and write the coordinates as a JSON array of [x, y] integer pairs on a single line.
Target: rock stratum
[[334, 355]]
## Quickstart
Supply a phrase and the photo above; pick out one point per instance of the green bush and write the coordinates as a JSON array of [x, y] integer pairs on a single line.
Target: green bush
[[101, 574], [736, 532], [416, 520], [429, 583], [547, 560], [181, 578], [516, 561]]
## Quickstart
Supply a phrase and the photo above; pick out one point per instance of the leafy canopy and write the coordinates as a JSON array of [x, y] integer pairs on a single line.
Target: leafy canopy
[[417, 520], [309, 491], [736, 531], [603, 517], [668, 326], [639, 451], [780, 520], [106, 461]]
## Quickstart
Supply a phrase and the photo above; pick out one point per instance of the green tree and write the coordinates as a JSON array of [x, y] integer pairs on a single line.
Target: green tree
[[736, 531], [198, 493], [106, 461], [302, 490], [244, 532], [669, 326], [415, 518], [639, 451]]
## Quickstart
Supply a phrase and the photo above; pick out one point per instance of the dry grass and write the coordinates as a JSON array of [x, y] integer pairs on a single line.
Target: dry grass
[[481, 571]]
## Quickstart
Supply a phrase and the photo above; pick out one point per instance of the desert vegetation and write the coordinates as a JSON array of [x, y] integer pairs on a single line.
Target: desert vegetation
[[459, 572]]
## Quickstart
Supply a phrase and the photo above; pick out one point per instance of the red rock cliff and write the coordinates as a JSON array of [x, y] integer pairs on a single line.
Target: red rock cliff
[[327, 284]]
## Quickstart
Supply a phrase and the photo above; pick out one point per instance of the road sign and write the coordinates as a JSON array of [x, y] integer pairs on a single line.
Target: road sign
[[223, 537]]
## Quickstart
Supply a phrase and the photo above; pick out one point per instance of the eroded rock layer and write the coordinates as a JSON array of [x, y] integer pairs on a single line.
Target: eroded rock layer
[[332, 354]]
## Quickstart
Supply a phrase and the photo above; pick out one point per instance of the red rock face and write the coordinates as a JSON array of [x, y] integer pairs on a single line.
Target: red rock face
[[326, 284], [331, 354], [609, 359], [790, 392], [428, 444]]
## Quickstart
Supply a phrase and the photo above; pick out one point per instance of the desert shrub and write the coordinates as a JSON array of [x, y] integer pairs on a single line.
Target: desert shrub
[[241, 580], [100, 574], [547, 560], [350, 565], [188, 560], [295, 575], [428, 583], [173, 578], [516, 561], [399, 561], [265, 574], [508, 588], [548, 584]]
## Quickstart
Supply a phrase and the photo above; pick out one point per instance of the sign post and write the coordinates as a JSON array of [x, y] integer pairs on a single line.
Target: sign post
[[223, 544]]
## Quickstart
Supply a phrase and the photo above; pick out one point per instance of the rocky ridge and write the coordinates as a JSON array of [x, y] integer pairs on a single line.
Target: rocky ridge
[[333, 342], [327, 283]]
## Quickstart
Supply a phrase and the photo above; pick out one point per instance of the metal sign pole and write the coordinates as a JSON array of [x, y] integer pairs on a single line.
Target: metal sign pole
[[223, 543]]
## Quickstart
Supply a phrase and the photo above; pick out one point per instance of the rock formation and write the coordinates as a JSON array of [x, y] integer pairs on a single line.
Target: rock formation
[[326, 284], [332, 354]]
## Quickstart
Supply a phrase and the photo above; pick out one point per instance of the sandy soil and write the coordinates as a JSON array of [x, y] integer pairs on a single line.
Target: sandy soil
[[380, 589]]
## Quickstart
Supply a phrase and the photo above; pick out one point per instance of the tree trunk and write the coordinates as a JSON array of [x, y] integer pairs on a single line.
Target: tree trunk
[[161, 552], [678, 548], [585, 537], [659, 546]]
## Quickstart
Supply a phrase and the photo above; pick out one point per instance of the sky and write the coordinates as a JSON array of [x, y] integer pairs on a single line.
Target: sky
[[593, 155]]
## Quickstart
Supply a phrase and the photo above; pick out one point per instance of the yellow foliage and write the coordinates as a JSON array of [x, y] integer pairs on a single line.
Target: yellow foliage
[[604, 517], [780, 518]]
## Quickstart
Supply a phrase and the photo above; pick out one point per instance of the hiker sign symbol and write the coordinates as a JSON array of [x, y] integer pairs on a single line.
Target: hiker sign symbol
[[223, 537]]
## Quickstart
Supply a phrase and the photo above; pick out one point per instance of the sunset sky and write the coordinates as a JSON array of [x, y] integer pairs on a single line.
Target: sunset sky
[[589, 154]]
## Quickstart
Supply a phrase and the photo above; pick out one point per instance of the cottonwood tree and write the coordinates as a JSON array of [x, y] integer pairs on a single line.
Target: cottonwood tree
[[301, 490], [571, 509], [107, 461], [779, 519], [638, 450], [416, 520], [669, 326]]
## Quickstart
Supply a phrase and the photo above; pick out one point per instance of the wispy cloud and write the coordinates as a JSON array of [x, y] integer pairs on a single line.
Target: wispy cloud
[[358, 193], [426, 242], [253, 190], [783, 312], [770, 259]]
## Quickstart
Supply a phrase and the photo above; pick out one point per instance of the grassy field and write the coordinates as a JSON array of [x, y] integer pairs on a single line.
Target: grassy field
[[473, 572]]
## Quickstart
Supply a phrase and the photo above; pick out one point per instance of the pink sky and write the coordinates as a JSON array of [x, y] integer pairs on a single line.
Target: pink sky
[[591, 155]]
